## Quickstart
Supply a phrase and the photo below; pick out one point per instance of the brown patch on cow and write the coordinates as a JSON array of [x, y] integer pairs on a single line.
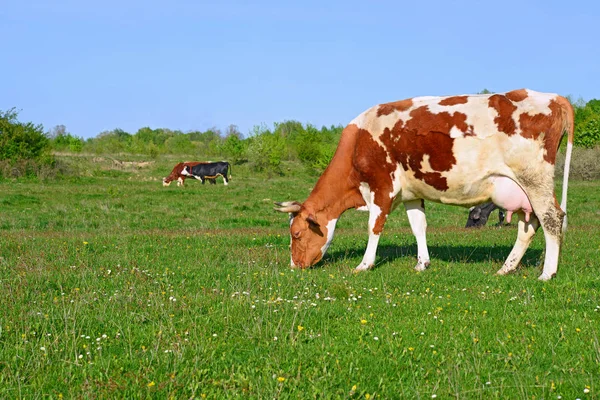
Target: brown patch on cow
[[425, 134], [388, 108], [424, 122], [370, 163], [517, 95], [505, 108], [454, 100], [550, 126]]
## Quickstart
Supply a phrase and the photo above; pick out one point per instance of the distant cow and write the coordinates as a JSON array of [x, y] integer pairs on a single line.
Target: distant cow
[[210, 171], [479, 215], [462, 150], [177, 173]]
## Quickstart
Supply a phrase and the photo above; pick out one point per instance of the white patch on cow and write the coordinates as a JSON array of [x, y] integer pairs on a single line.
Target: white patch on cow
[[397, 179], [185, 172], [360, 119], [369, 258], [425, 164], [365, 191], [551, 258], [179, 181], [330, 231], [374, 212], [537, 103], [418, 224], [362, 208]]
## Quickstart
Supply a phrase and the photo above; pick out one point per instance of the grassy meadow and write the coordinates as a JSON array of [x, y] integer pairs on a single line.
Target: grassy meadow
[[116, 287]]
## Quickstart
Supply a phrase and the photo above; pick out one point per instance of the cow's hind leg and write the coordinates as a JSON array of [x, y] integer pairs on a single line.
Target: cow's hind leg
[[551, 219], [526, 230], [415, 210]]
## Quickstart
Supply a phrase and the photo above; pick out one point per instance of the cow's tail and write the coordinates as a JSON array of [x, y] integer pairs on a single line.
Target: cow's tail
[[229, 171], [568, 127]]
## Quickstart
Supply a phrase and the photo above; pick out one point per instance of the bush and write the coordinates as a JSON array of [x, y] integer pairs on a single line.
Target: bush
[[234, 148], [266, 150], [21, 141], [584, 164], [67, 142], [587, 134]]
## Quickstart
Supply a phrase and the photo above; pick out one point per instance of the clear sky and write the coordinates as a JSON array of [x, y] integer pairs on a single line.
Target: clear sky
[[193, 65]]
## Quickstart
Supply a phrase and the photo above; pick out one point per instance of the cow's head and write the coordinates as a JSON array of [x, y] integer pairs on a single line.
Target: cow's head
[[309, 236], [166, 181]]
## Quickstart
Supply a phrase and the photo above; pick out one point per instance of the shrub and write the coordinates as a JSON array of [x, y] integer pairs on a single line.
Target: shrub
[[584, 164], [67, 142], [587, 134], [266, 150], [21, 141], [234, 148]]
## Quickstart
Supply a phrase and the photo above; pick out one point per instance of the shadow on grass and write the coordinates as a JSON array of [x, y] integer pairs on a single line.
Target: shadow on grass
[[458, 254]]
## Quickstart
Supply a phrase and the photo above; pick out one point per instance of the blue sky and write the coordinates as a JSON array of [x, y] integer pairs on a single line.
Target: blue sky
[[193, 65]]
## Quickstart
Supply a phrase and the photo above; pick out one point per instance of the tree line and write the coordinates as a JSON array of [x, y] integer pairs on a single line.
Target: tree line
[[264, 148]]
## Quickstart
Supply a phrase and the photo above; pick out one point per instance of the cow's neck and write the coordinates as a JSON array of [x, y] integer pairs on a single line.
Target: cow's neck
[[337, 189]]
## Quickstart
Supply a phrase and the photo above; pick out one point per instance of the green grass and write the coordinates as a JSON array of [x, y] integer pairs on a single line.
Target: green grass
[[115, 287]]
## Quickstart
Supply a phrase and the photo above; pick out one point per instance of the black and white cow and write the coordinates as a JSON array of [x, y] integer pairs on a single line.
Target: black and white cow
[[208, 171], [479, 215]]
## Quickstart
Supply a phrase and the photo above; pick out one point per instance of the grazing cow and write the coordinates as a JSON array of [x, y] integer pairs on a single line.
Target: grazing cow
[[176, 174], [479, 215], [203, 171], [462, 150]]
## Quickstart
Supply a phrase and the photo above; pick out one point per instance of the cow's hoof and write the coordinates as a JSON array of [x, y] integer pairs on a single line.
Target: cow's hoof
[[421, 266], [363, 267], [545, 277]]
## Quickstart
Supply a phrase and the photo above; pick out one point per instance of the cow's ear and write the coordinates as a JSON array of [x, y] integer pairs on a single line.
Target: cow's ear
[[312, 220]]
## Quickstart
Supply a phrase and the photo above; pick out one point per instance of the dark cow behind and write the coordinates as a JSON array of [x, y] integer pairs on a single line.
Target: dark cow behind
[[208, 171], [479, 215]]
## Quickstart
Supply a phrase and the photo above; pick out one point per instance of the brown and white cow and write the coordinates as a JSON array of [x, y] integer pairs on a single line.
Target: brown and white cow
[[462, 150], [178, 173]]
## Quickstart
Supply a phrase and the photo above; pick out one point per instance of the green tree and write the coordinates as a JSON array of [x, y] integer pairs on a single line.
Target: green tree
[[179, 144], [61, 140], [234, 148], [587, 123], [115, 141], [21, 140], [266, 150]]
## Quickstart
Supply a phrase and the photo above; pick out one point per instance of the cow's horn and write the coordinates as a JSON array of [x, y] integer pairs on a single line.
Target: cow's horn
[[288, 206]]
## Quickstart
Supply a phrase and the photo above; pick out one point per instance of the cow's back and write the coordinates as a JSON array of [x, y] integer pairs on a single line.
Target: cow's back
[[446, 148]]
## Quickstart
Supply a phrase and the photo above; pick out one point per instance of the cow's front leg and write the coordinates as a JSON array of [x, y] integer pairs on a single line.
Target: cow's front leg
[[377, 216], [415, 210]]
